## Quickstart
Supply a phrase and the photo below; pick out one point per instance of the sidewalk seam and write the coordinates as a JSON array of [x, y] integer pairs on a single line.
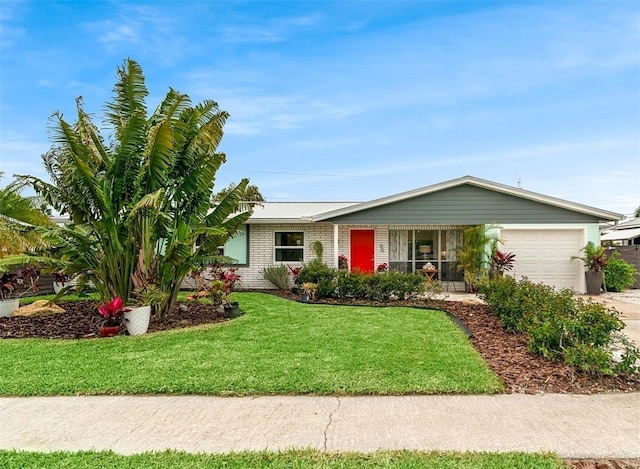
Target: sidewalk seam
[[326, 429]]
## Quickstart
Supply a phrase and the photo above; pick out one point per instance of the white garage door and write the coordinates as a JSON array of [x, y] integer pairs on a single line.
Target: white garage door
[[544, 256]]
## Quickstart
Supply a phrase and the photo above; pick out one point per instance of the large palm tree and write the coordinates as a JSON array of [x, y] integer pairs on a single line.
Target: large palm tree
[[139, 203], [18, 218]]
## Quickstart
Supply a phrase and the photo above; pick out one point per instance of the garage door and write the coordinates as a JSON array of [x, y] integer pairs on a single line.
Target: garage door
[[544, 256]]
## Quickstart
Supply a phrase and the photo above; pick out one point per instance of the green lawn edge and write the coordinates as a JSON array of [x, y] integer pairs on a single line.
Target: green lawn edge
[[301, 459]]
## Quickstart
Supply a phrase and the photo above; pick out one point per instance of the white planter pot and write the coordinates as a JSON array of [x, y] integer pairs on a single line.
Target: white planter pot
[[7, 307], [137, 320], [57, 286]]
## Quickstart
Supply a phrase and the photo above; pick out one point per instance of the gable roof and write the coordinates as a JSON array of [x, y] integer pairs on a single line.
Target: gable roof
[[477, 182]]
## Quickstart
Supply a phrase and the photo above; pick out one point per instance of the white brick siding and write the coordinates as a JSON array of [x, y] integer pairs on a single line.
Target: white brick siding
[[261, 243]]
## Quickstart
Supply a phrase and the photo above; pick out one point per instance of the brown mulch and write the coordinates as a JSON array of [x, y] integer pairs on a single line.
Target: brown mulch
[[506, 353], [81, 321]]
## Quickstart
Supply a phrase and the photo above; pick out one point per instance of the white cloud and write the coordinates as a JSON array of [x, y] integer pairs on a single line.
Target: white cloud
[[119, 33]]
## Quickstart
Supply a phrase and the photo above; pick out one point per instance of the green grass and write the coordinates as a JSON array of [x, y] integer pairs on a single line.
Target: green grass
[[277, 347], [289, 459], [25, 300]]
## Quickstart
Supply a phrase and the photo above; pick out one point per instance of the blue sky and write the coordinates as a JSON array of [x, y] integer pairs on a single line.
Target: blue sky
[[353, 100]]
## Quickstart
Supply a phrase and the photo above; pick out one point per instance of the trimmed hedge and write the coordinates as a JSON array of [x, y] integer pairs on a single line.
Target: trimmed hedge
[[559, 326], [382, 286]]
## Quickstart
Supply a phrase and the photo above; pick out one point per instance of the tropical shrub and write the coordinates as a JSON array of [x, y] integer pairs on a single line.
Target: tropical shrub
[[382, 286], [560, 326], [315, 272], [618, 274], [474, 255], [140, 203], [19, 216], [594, 257], [278, 275]]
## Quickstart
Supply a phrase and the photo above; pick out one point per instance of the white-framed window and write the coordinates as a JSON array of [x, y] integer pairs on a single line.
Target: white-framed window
[[289, 246]]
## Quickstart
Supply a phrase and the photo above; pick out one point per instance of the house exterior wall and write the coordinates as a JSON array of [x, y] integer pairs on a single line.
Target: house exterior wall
[[262, 252], [262, 246], [465, 205]]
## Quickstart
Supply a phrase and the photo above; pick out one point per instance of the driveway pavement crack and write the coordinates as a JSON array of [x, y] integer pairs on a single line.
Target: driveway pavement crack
[[326, 430]]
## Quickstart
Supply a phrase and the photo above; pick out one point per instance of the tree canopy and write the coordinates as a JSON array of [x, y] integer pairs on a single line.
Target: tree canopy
[[140, 202]]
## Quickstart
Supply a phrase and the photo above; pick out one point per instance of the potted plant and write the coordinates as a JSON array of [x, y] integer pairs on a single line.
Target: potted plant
[[15, 284], [309, 290], [61, 281], [594, 260], [112, 312], [501, 262], [149, 298]]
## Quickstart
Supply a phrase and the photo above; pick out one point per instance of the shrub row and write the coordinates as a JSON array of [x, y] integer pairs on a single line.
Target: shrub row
[[382, 286], [559, 326]]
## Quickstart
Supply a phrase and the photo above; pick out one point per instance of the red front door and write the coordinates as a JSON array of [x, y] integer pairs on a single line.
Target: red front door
[[362, 250]]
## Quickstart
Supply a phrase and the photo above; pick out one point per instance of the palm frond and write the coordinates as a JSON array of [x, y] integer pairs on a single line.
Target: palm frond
[[129, 97]]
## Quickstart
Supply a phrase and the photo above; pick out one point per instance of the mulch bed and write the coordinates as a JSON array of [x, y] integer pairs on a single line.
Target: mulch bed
[[81, 321], [506, 353]]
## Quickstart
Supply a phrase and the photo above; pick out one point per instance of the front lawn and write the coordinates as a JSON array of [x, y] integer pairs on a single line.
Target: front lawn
[[277, 347], [298, 459]]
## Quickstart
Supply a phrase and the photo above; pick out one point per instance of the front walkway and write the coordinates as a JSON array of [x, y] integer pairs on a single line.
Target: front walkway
[[574, 426]]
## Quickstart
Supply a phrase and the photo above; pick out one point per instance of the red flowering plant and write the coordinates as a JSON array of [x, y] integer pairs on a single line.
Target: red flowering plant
[[295, 273], [112, 312], [343, 262], [215, 285], [502, 262], [382, 267]]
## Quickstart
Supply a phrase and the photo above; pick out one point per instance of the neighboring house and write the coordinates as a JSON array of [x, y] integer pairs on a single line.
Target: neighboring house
[[410, 229], [626, 233]]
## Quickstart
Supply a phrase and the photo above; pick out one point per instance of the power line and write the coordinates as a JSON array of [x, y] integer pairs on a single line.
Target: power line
[[292, 173]]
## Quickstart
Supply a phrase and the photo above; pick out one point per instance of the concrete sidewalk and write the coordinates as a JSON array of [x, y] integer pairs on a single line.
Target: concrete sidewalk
[[574, 426]]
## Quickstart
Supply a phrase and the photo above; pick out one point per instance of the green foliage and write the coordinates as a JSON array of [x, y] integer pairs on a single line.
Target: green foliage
[[18, 218], [140, 204], [318, 250], [560, 326], [618, 274], [474, 256], [594, 257], [277, 274], [381, 286], [316, 272]]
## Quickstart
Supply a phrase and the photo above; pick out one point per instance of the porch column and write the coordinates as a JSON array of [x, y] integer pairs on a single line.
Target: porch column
[[335, 246]]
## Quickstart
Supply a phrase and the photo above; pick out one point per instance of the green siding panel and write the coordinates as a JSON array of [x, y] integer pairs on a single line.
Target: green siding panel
[[465, 205]]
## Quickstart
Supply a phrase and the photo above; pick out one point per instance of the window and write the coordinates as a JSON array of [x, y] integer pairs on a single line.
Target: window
[[237, 247], [411, 250], [289, 246]]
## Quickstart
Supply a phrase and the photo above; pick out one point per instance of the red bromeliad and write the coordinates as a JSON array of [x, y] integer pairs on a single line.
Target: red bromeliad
[[113, 311]]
